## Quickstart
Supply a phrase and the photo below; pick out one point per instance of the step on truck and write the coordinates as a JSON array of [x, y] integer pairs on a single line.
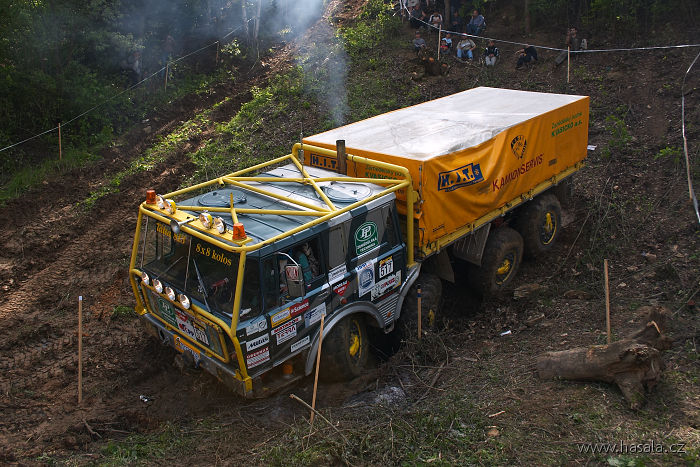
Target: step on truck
[[237, 272]]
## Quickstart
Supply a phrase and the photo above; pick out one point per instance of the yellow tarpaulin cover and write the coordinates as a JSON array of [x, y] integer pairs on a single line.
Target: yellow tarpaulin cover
[[468, 153]]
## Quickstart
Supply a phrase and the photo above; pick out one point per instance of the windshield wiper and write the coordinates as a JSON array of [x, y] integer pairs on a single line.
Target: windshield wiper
[[201, 285]]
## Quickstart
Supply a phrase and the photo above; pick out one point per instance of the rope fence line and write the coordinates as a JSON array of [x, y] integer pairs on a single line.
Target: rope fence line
[[133, 86], [446, 31]]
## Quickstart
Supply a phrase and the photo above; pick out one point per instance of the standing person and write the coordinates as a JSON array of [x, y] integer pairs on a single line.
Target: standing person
[[465, 48], [168, 49], [526, 55], [491, 54], [572, 43], [417, 16], [476, 24]]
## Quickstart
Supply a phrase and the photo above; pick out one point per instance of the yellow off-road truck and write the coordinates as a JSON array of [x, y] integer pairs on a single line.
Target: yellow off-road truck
[[236, 273]]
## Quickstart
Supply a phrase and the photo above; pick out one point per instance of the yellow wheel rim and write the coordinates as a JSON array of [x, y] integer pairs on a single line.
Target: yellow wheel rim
[[355, 342], [505, 267], [549, 228]]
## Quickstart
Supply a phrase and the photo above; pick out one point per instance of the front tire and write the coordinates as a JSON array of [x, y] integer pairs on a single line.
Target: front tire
[[345, 350], [500, 262]]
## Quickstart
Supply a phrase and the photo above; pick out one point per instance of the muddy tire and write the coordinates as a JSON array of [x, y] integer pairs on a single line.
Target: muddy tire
[[345, 350], [539, 222], [431, 293], [500, 262]]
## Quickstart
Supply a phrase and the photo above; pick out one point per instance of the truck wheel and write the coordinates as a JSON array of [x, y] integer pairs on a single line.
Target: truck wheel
[[345, 350], [431, 293], [539, 223], [500, 262]]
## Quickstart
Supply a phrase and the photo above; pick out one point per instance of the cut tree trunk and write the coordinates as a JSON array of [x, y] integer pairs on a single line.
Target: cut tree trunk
[[634, 363]]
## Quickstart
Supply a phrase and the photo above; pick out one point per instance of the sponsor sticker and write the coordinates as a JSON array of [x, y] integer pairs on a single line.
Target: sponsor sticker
[[365, 277], [258, 342], [298, 345], [286, 331], [386, 266], [280, 317], [337, 273], [258, 357], [366, 238], [259, 324], [340, 288], [324, 162], [386, 285], [461, 176], [313, 316], [298, 308]]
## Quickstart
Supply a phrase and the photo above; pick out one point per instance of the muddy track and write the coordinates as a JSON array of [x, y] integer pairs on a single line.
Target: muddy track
[[58, 250]]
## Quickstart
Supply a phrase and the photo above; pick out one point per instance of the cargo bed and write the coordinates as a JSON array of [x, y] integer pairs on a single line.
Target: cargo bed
[[472, 156]]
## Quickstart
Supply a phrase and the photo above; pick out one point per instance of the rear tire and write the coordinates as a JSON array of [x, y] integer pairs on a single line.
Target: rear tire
[[539, 222], [345, 350], [500, 262]]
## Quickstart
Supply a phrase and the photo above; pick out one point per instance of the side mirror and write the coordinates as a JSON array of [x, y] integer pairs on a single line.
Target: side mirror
[[295, 281]]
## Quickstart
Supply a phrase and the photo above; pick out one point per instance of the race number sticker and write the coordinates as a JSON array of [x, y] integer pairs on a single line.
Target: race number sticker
[[386, 266], [286, 331], [258, 342], [258, 357], [298, 345], [385, 285], [365, 277]]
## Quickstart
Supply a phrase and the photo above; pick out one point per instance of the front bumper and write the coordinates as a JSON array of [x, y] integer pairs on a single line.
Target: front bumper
[[215, 367]]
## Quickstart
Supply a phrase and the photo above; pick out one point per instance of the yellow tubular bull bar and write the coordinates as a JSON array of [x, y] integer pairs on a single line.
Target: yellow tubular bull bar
[[238, 178]]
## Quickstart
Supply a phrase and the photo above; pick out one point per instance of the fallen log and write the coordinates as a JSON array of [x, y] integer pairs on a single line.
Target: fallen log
[[634, 363]]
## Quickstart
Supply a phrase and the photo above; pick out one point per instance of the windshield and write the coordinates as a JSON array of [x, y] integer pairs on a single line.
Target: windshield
[[198, 269]]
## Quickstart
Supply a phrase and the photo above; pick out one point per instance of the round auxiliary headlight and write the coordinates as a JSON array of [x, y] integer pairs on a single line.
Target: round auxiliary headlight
[[158, 286], [206, 220], [219, 225], [170, 293], [160, 202], [170, 206], [184, 301], [145, 279]]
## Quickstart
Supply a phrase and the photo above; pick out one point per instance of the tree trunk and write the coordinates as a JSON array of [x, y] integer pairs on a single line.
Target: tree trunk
[[527, 16], [634, 363]]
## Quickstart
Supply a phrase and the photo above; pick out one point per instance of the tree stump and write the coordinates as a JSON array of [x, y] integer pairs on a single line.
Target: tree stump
[[634, 363]]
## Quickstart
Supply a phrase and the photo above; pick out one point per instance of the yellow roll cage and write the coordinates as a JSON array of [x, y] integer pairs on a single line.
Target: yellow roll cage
[[241, 246]]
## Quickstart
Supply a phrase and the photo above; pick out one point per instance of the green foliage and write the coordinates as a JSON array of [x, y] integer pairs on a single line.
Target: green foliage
[[375, 24], [137, 448], [620, 137]]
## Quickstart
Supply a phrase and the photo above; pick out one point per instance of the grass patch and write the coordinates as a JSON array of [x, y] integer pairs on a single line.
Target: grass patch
[[28, 177], [169, 442]]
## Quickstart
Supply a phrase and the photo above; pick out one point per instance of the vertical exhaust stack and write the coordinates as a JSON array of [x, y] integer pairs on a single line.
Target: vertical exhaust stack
[[342, 166]]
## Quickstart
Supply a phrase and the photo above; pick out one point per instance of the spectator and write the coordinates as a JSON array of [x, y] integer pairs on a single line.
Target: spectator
[[465, 48], [573, 43], [168, 49], [417, 15], [444, 47], [134, 67], [457, 23], [448, 40], [526, 55], [491, 54], [418, 42], [436, 20], [476, 24]]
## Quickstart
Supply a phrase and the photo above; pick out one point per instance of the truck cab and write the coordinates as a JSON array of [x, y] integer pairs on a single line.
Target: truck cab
[[236, 274]]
